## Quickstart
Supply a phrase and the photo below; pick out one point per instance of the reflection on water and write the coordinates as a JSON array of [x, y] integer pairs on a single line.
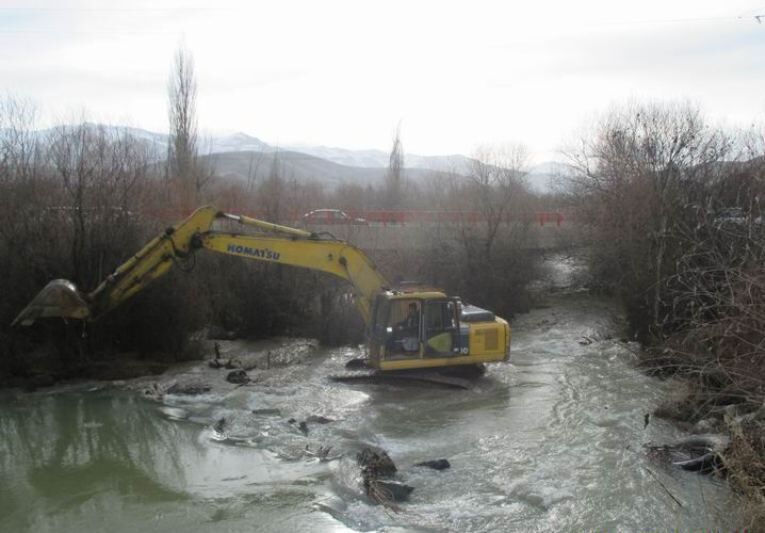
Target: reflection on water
[[107, 457], [549, 442]]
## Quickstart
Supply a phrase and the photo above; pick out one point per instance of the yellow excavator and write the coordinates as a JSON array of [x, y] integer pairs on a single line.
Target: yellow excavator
[[408, 327]]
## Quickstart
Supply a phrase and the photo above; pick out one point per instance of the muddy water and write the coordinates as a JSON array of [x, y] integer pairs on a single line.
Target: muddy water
[[552, 441]]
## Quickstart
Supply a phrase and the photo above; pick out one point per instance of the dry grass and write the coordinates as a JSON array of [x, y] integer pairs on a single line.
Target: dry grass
[[745, 463]]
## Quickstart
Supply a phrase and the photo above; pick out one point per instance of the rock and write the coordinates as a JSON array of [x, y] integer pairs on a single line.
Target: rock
[[220, 425], [238, 377], [375, 463], [388, 491], [266, 412], [318, 419], [187, 388], [435, 464]]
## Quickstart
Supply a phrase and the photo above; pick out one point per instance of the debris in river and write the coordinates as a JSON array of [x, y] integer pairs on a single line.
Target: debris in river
[[375, 462], [699, 453], [302, 426], [387, 491], [190, 389], [435, 464], [646, 420], [322, 453], [375, 465]]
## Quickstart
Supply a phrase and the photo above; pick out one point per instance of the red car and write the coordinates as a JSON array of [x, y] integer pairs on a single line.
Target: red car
[[331, 217]]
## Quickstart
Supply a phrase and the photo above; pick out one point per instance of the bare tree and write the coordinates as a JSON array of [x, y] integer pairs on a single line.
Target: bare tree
[[496, 179], [272, 191], [640, 172], [394, 175], [99, 170], [182, 151]]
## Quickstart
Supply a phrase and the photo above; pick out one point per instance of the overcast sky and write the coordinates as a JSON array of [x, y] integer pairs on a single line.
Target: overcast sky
[[455, 74]]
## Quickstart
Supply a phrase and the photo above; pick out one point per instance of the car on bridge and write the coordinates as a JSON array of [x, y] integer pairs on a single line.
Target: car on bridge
[[330, 217]]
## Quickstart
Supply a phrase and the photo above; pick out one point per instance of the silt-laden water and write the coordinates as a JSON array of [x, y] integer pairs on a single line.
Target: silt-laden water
[[551, 441]]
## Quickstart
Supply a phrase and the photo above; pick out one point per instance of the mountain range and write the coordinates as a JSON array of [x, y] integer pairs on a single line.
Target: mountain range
[[241, 156]]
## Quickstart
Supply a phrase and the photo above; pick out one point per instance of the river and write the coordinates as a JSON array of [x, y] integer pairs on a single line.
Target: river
[[552, 441]]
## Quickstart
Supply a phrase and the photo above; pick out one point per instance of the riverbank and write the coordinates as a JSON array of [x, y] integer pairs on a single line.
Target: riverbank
[[43, 368], [702, 404]]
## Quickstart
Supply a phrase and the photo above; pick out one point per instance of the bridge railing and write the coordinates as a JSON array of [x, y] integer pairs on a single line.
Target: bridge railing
[[398, 217], [421, 216]]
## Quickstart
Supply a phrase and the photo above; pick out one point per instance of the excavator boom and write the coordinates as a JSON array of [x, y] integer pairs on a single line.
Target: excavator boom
[[281, 244]]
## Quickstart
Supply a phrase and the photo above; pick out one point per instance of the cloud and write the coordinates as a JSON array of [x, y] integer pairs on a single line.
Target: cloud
[[345, 72]]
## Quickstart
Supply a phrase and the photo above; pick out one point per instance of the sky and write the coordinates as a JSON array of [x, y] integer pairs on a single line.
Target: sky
[[454, 75]]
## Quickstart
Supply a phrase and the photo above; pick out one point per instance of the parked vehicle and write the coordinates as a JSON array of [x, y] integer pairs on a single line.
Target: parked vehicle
[[331, 217]]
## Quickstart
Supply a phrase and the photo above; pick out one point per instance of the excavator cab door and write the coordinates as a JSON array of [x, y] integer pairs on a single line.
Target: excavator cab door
[[396, 330], [442, 328]]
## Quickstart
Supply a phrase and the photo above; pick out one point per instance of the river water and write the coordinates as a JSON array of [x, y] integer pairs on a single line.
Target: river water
[[552, 441]]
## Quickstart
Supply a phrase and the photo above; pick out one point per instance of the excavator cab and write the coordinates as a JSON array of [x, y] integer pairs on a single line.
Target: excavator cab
[[416, 329], [410, 326]]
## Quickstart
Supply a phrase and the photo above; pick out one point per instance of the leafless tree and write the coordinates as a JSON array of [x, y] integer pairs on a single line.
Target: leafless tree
[[640, 172], [272, 191], [395, 174], [496, 179], [99, 170], [183, 150]]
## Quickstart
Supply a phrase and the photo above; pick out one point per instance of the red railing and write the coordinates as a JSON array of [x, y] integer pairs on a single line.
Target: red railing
[[386, 217], [393, 216]]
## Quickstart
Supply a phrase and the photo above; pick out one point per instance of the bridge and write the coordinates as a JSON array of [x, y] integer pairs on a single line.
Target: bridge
[[381, 229], [389, 230]]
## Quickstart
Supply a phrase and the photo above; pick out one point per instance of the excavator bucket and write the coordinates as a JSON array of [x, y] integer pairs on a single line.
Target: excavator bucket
[[59, 298]]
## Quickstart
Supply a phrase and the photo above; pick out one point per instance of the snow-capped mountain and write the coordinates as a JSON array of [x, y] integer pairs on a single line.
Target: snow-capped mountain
[[340, 162]]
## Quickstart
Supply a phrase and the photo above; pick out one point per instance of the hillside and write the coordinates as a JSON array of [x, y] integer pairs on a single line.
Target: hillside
[[257, 165]]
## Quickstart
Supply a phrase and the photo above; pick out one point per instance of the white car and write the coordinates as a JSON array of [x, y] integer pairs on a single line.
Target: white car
[[331, 217]]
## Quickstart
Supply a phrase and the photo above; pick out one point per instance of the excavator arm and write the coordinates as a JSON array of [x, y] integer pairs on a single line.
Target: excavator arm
[[177, 245]]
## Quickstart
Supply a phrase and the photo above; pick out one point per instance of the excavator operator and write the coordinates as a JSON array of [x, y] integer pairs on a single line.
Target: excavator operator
[[407, 332]]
